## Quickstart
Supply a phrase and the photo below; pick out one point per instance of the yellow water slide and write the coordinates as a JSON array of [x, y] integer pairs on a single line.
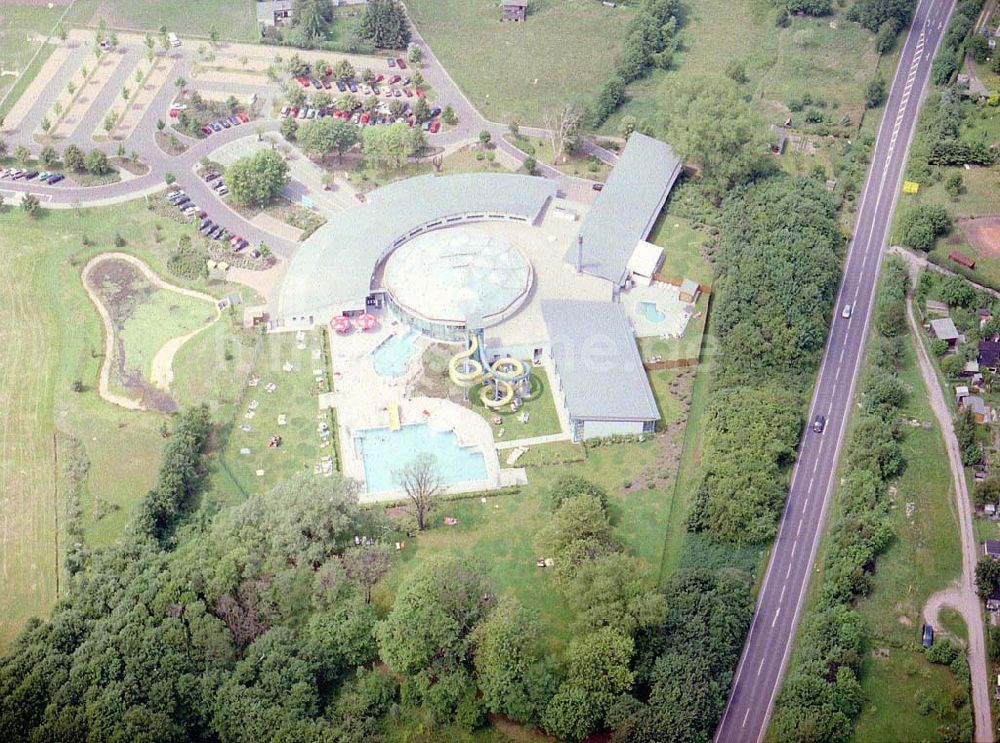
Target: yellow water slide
[[465, 371]]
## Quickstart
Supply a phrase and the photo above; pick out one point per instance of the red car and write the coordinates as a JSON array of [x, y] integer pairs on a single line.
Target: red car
[[364, 119], [435, 126], [174, 113], [303, 81], [394, 79], [243, 117], [206, 130], [407, 92], [326, 84], [400, 63], [379, 78], [419, 92]]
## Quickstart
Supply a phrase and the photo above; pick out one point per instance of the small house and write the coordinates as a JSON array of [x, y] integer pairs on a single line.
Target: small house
[[991, 548], [971, 369], [690, 291], [961, 259], [978, 407], [273, 13], [944, 329], [515, 11], [989, 355], [961, 392]]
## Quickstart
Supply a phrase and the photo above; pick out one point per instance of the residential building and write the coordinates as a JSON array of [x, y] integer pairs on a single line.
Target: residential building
[[515, 11], [944, 329]]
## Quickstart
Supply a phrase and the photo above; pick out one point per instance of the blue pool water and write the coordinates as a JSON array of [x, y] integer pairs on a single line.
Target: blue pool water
[[385, 451], [391, 357], [650, 311]]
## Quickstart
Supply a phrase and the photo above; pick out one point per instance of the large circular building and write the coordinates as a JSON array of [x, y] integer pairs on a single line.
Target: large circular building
[[445, 281]]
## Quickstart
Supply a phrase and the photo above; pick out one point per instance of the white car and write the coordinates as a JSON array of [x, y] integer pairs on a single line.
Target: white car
[[846, 313]]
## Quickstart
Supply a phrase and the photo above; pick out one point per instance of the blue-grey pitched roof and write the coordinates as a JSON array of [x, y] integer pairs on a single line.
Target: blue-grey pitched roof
[[625, 210], [332, 270], [597, 361]]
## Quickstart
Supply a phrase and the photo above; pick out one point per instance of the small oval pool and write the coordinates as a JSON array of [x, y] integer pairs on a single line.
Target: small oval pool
[[650, 311], [393, 354]]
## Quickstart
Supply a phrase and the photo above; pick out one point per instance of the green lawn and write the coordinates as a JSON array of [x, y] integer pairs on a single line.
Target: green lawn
[[161, 316], [302, 445], [923, 559], [52, 336], [583, 166], [539, 405], [22, 28], [501, 532], [682, 248], [562, 53], [233, 19], [809, 56]]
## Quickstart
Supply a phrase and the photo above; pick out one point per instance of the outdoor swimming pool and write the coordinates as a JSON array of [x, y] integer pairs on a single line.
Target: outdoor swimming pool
[[394, 353], [384, 451], [650, 311]]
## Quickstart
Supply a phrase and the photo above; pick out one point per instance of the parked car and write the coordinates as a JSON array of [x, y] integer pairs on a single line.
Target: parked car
[[819, 423], [407, 92], [206, 228], [352, 87], [598, 186], [394, 79], [293, 112], [400, 63], [302, 113], [435, 112], [379, 77], [341, 86], [396, 93], [376, 89], [390, 61], [174, 113], [419, 92], [31, 175], [927, 636], [303, 81], [216, 126], [317, 84], [206, 130], [53, 179], [326, 84], [225, 123]]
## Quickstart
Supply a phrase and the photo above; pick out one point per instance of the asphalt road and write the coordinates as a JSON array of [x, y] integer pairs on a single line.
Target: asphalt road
[[782, 594]]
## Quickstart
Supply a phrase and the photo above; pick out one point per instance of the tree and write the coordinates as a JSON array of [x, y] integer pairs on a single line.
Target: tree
[[289, 129], [955, 185], [510, 665], [875, 92], [312, 18], [485, 137], [563, 124], [255, 180], [448, 115], [968, 442], [414, 54], [160, 125], [180, 82], [421, 109], [30, 204], [433, 617], [920, 226], [48, 155], [213, 35], [384, 24], [346, 101], [97, 162], [367, 75], [420, 479], [126, 93], [530, 164], [311, 519], [708, 122], [343, 71], [987, 576], [62, 33], [46, 124], [320, 137], [365, 565], [73, 158], [597, 675], [988, 491], [611, 96]]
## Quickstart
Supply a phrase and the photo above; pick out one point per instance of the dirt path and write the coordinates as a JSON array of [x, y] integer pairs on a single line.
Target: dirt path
[[162, 368], [962, 597]]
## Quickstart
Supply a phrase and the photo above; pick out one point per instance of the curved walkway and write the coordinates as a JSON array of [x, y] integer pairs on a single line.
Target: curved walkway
[[962, 597], [162, 372]]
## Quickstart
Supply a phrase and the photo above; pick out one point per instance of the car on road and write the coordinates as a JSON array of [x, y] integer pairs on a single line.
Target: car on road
[[819, 423], [927, 636], [846, 312], [598, 186]]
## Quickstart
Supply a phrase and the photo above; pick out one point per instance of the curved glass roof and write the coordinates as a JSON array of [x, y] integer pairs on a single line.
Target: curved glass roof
[[333, 269], [458, 276]]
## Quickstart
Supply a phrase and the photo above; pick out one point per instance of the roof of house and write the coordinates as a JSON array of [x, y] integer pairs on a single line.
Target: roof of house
[[944, 328], [267, 8], [961, 391], [989, 353], [991, 547], [645, 259], [597, 361], [333, 269], [977, 404], [690, 286], [626, 208]]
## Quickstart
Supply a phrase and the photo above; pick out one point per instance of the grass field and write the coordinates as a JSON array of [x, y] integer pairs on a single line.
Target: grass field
[[561, 54], [582, 166], [295, 398], [501, 532], [539, 405], [22, 29], [810, 56], [923, 559], [233, 19], [51, 336]]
